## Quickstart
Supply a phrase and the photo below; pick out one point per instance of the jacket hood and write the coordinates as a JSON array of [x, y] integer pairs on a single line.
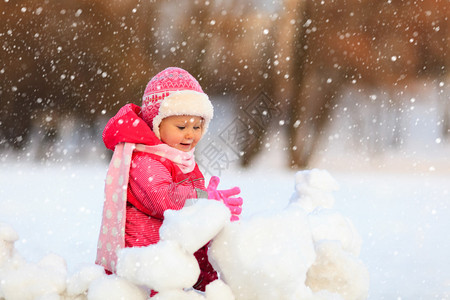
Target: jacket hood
[[128, 127]]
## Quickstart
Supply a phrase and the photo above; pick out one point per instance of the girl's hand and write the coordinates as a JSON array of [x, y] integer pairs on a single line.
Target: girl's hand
[[234, 204]]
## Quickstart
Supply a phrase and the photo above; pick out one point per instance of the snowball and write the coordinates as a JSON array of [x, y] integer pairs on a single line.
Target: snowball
[[318, 179], [7, 238], [114, 288], [162, 266], [55, 264], [30, 281], [79, 283], [313, 189], [329, 224], [7, 233], [179, 295], [194, 226], [324, 295], [52, 296], [266, 256], [218, 290], [338, 272]]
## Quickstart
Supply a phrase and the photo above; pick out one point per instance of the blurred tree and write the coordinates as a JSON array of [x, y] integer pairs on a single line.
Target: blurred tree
[[77, 59], [372, 45], [84, 59]]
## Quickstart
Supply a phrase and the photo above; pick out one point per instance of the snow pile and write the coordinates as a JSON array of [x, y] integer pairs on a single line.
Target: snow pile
[[305, 251], [7, 238], [170, 266], [22, 280], [114, 287], [44, 280]]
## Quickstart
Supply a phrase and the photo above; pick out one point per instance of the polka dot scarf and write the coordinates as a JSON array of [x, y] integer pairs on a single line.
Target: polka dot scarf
[[112, 231]]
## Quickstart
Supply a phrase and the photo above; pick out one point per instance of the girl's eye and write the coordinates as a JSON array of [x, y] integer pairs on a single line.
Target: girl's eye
[[197, 127], [181, 127]]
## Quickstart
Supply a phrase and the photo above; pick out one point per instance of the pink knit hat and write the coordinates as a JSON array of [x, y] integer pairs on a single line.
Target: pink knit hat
[[174, 92]]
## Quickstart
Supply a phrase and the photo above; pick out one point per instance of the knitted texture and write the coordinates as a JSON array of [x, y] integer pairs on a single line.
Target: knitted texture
[[169, 80], [161, 86], [112, 234]]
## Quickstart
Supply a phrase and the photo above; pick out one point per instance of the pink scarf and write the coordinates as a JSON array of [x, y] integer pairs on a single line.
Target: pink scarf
[[112, 231]]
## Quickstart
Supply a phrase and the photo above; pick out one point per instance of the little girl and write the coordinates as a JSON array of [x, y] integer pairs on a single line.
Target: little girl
[[153, 167]]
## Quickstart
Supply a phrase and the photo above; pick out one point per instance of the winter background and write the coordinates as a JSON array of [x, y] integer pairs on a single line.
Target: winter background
[[398, 202], [66, 66]]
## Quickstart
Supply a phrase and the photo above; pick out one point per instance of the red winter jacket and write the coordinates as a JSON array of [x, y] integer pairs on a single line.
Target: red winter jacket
[[155, 184]]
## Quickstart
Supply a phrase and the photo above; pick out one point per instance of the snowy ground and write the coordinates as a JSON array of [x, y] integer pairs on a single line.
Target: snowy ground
[[403, 218], [398, 201]]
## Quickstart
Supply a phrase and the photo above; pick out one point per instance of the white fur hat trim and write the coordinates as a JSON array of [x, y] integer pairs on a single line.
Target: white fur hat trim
[[184, 103]]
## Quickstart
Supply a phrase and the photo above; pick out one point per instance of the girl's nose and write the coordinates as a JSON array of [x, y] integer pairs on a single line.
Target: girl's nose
[[189, 134]]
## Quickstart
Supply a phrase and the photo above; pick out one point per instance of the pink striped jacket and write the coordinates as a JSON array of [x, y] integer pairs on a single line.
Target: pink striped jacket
[[155, 184]]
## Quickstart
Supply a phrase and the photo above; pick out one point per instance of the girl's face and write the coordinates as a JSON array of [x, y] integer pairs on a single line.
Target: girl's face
[[181, 132]]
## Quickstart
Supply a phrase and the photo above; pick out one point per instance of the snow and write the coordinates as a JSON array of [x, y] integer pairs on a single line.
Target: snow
[[268, 254], [115, 288], [379, 223], [283, 254], [79, 282], [24, 280], [163, 266], [196, 225], [402, 220]]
